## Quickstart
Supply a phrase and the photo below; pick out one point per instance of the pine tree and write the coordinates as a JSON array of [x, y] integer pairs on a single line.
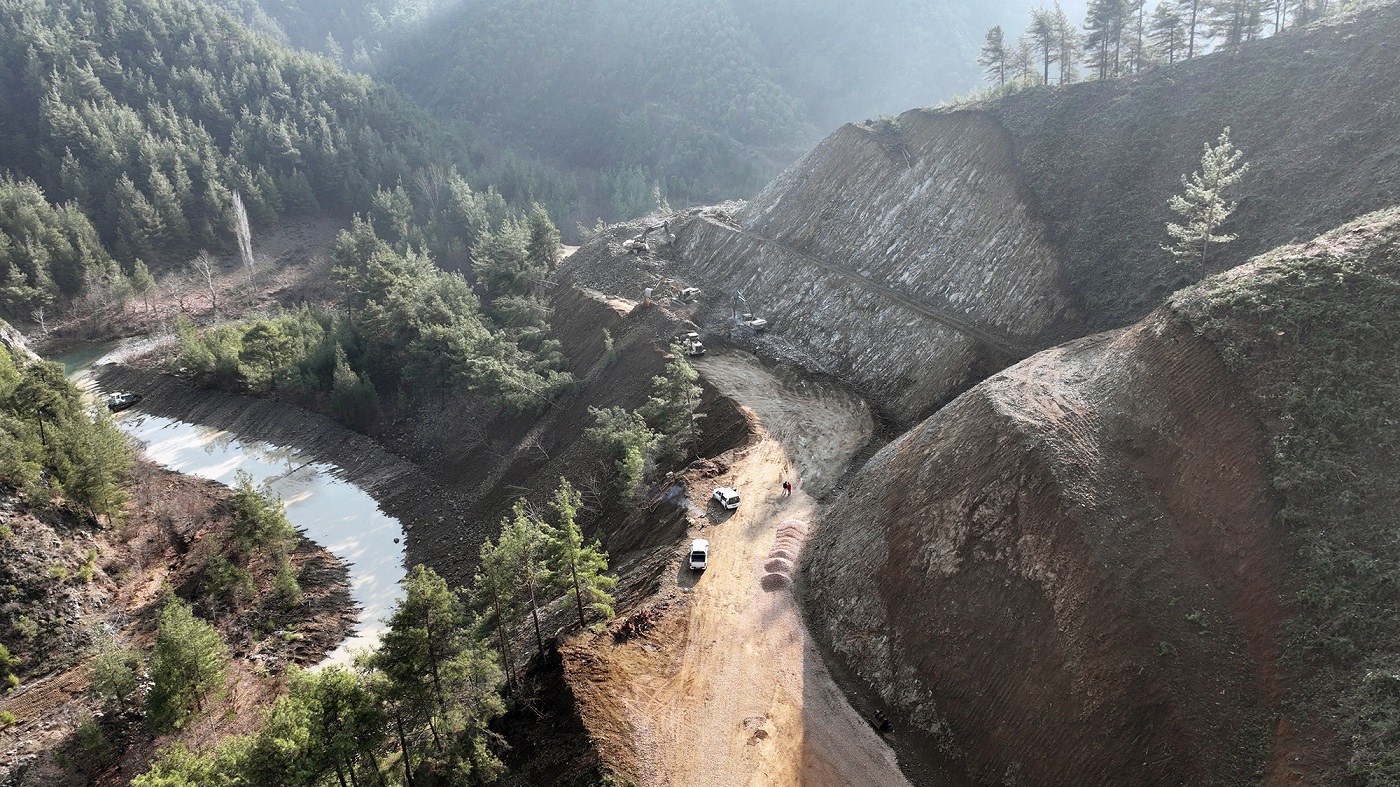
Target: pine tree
[[1202, 206], [187, 663], [1067, 42], [423, 635], [1193, 16], [542, 248], [265, 350], [143, 283], [353, 397], [436, 677], [993, 57], [493, 597], [1042, 33], [1103, 38], [1168, 32], [627, 440], [1022, 64], [1135, 29], [502, 261], [670, 410], [114, 673], [522, 544], [1235, 21], [577, 569]]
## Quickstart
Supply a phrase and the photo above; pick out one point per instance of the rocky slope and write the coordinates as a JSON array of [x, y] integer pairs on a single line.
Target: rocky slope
[[912, 257], [901, 259], [1080, 571]]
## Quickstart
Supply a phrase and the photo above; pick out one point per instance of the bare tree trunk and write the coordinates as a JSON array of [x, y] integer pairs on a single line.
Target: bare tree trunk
[[403, 749], [206, 266], [578, 594], [245, 241]]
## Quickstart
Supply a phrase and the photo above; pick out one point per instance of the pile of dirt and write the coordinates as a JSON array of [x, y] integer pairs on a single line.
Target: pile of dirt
[[1072, 573]]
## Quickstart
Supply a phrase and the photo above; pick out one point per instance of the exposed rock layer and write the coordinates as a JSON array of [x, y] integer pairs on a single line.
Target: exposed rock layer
[[904, 260]]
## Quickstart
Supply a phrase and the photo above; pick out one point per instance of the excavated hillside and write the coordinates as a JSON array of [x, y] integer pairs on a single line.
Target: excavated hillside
[[904, 261], [913, 257], [1158, 555]]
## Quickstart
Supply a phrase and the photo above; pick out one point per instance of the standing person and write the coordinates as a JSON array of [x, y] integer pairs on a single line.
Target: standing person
[[787, 489]]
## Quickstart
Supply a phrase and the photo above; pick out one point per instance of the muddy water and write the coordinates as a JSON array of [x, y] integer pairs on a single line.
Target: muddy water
[[333, 512]]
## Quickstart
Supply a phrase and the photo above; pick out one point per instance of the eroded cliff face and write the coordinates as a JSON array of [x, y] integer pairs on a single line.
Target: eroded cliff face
[[1073, 569], [901, 258]]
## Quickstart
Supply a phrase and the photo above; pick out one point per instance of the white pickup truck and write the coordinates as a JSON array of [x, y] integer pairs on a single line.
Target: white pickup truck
[[699, 554]]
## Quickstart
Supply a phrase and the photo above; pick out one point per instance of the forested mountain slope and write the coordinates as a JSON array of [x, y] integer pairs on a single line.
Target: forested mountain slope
[[142, 119], [706, 98]]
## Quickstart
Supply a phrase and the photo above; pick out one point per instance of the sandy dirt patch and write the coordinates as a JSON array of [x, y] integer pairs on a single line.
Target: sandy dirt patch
[[729, 689]]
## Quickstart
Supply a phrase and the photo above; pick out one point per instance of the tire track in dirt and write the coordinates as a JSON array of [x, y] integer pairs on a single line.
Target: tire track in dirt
[[743, 697]]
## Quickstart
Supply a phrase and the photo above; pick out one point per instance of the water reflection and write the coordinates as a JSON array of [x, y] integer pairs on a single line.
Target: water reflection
[[335, 513]]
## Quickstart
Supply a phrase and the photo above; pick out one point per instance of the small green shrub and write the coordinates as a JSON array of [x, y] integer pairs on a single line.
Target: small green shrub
[[227, 580], [610, 352], [89, 567], [286, 591], [114, 674], [26, 626], [59, 572], [6, 719], [92, 739]]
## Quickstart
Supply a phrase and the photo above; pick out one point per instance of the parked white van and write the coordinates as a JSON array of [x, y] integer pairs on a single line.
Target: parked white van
[[727, 497]]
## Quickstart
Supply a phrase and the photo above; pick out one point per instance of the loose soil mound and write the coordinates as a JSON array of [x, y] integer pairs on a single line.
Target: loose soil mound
[[1085, 538]]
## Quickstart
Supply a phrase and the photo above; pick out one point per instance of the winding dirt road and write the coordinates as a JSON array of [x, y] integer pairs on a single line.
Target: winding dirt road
[[738, 694]]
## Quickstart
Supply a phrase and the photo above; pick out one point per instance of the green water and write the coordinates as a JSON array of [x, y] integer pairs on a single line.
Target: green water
[[331, 511]]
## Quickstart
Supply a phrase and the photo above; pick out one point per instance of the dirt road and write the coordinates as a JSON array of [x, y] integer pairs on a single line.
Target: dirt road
[[740, 696]]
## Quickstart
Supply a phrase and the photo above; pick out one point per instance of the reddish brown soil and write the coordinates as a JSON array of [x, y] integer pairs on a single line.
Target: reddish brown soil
[[715, 680], [1077, 570]]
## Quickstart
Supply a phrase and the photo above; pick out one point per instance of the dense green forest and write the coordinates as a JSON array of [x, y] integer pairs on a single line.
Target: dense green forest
[[352, 33], [131, 125], [681, 101], [411, 327]]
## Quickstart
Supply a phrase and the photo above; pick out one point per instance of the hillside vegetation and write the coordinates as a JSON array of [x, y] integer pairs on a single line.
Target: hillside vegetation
[[1314, 110], [132, 125], [1313, 331]]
